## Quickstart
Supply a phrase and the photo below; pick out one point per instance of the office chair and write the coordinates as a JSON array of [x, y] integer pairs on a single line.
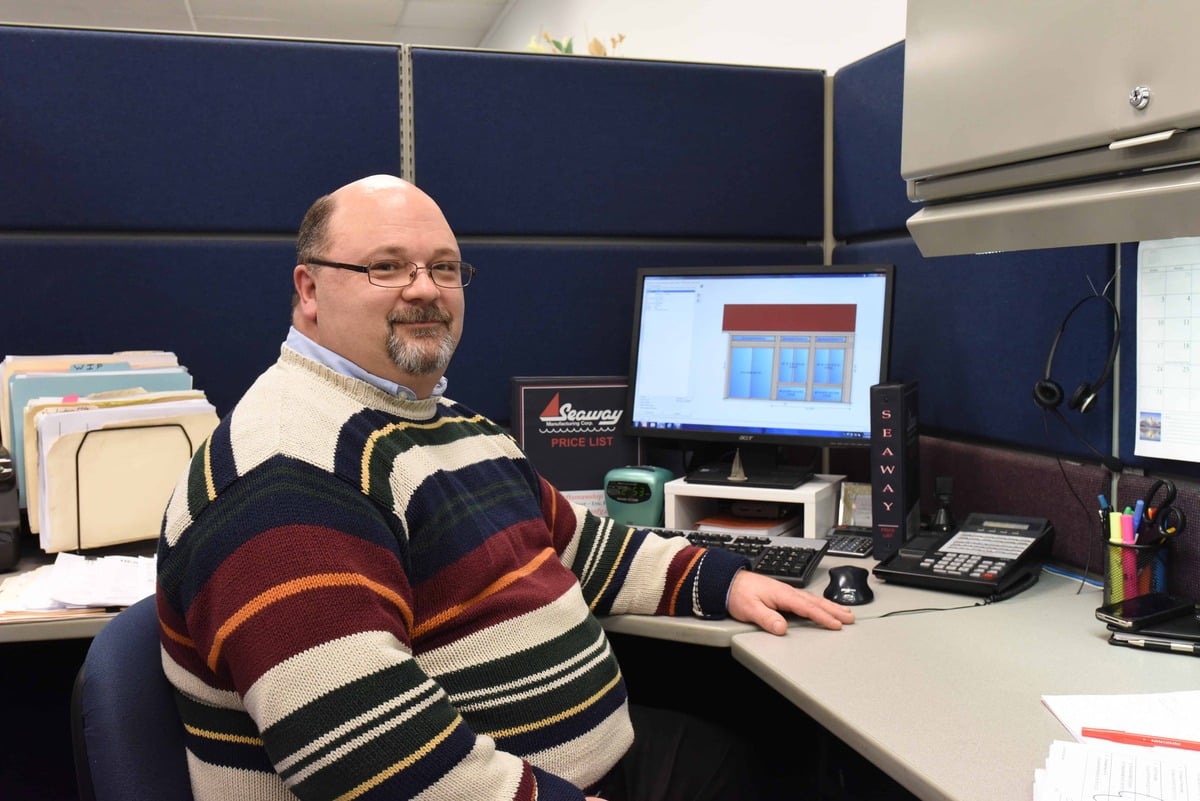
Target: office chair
[[126, 732]]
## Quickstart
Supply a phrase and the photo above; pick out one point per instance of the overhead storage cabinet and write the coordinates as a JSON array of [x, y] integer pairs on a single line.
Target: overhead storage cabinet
[[1031, 124]]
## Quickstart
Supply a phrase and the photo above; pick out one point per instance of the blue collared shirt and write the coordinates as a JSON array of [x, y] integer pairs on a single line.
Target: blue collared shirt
[[339, 364]]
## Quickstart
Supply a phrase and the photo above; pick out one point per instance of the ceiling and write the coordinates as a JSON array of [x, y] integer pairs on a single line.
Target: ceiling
[[455, 23]]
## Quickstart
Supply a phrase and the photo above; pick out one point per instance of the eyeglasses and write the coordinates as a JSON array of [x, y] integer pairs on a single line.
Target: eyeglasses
[[395, 274]]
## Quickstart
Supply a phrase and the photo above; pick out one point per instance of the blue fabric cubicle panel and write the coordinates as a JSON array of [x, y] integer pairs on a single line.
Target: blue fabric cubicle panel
[[566, 309], [976, 331], [1127, 373], [528, 144], [148, 132], [1127, 432], [222, 306], [869, 196]]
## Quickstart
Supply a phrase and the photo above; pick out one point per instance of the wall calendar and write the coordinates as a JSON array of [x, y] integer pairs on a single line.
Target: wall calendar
[[1168, 349]]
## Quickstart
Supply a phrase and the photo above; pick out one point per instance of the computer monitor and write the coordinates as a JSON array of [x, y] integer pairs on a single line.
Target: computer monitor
[[759, 358]]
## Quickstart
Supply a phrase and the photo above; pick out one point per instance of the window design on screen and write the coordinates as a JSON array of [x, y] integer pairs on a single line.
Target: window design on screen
[[790, 352], [780, 355]]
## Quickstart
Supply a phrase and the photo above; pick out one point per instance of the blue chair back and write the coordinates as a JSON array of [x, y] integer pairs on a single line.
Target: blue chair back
[[126, 731]]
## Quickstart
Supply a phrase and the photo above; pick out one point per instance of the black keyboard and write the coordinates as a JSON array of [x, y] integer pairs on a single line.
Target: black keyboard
[[789, 559]]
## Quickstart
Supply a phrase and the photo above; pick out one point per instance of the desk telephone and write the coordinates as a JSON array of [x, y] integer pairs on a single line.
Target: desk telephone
[[996, 556]]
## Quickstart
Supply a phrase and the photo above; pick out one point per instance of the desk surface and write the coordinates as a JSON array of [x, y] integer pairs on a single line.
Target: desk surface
[[54, 628], [949, 702]]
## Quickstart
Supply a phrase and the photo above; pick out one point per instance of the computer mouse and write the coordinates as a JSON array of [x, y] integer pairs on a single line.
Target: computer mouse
[[848, 586]]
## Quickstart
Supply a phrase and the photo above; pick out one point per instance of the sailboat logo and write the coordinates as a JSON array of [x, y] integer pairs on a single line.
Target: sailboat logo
[[560, 417]]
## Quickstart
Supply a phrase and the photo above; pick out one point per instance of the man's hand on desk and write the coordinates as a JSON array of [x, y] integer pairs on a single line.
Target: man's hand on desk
[[758, 599]]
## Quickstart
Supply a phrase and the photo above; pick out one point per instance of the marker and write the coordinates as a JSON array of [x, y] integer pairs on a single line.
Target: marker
[[1128, 555], [1130, 738], [1138, 509], [1116, 582]]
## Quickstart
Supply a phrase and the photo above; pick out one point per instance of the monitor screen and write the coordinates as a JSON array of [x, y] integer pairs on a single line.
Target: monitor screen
[[778, 355]]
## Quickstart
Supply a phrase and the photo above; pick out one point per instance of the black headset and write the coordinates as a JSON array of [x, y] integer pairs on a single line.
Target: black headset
[[1048, 393]]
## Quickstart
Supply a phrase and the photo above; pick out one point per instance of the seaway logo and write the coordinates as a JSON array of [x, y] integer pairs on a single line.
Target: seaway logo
[[558, 416]]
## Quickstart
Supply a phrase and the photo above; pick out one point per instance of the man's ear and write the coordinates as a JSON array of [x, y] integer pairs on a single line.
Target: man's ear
[[306, 290]]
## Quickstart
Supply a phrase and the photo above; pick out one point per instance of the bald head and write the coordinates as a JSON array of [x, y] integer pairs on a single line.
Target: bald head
[[385, 203], [396, 193]]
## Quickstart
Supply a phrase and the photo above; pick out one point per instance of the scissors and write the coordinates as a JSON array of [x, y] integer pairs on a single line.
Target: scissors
[[1162, 519]]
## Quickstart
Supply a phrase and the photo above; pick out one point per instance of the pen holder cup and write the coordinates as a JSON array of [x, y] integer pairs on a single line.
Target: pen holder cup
[[1131, 570]]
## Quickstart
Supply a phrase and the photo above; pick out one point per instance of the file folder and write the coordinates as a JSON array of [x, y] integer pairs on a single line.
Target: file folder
[[66, 362], [106, 479], [39, 406], [101, 377]]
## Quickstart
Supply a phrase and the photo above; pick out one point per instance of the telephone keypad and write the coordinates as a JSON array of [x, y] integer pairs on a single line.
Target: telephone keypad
[[963, 564]]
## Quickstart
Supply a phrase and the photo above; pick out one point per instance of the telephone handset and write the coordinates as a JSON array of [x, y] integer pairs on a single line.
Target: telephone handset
[[996, 556]]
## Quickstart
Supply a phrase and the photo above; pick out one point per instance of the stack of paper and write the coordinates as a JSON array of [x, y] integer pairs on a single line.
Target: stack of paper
[[1085, 772], [99, 441], [76, 582], [104, 581], [748, 526], [1129, 746]]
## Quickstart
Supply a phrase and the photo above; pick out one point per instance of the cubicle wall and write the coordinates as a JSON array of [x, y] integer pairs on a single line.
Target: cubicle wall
[[541, 145], [138, 133]]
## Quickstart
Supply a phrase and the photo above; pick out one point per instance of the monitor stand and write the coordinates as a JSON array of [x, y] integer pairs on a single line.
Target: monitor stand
[[751, 472]]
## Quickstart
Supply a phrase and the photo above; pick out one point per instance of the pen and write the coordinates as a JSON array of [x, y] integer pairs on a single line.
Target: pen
[[1130, 738], [1162, 645], [1103, 516], [1138, 509]]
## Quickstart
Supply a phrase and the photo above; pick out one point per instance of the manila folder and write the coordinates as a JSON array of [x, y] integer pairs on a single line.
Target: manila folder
[[111, 485]]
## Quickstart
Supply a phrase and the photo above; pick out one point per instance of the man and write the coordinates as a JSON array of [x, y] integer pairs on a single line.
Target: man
[[365, 590]]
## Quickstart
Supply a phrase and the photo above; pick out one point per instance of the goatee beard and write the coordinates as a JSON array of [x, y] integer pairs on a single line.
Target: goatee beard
[[429, 349]]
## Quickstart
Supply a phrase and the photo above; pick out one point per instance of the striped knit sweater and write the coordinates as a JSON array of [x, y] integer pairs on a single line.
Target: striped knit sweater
[[366, 597]]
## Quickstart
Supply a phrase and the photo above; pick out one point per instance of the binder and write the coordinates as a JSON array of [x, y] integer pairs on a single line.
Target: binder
[[105, 477], [99, 377]]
